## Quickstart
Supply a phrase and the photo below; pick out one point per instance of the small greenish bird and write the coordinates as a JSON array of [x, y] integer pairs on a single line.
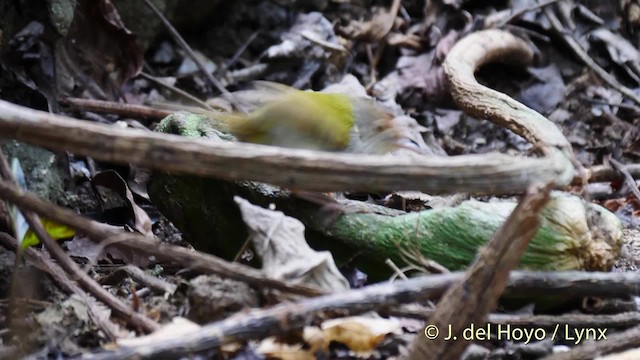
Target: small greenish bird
[[287, 117]]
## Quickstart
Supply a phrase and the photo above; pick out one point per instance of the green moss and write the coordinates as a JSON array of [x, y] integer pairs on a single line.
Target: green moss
[[61, 14], [193, 125], [42, 174], [202, 210]]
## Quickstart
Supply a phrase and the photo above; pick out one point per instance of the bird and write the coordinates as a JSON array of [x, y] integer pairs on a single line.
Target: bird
[[283, 116]]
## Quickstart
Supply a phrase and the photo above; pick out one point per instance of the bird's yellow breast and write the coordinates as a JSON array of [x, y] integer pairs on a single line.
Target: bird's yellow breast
[[320, 120]]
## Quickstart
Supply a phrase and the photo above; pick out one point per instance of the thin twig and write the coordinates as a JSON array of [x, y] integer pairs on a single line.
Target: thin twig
[[393, 13], [577, 49], [396, 269], [601, 173], [628, 179], [619, 320], [632, 107], [241, 50], [291, 168], [111, 234], [176, 90], [598, 173], [518, 13], [593, 349], [615, 120], [61, 278], [192, 55], [287, 317], [120, 109], [135, 319], [155, 284]]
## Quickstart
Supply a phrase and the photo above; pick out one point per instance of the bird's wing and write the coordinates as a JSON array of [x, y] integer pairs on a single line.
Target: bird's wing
[[261, 93]]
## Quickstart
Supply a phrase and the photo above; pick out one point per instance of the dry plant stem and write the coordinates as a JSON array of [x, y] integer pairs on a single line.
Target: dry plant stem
[[155, 284], [64, 282], [602, 173], [105, 233], [580, 53], [483, 47], [120, 308], [176, 90], [597, 173], [192, 55], [290, 168], [286, 317], [123, 110], [634, 108], [393, 13], [236, 56], [517, 14], [471, 299], [591, 349], [628, 179], [615, 120], [620, 320], [210, 264]]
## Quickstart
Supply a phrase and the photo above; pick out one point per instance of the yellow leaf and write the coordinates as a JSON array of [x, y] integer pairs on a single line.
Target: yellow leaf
[[55, 230]]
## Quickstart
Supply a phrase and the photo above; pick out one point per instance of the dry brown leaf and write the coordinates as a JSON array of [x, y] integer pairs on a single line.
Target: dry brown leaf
[[99, 53], [358, 333], [112, 180], [279, 241]]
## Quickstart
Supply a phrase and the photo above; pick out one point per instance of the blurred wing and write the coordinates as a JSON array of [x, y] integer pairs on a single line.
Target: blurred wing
[[378, 132], [261, 94], [274, 87]]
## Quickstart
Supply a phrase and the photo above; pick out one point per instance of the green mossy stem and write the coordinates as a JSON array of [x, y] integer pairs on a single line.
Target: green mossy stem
[[452, 236], [574, 235]]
